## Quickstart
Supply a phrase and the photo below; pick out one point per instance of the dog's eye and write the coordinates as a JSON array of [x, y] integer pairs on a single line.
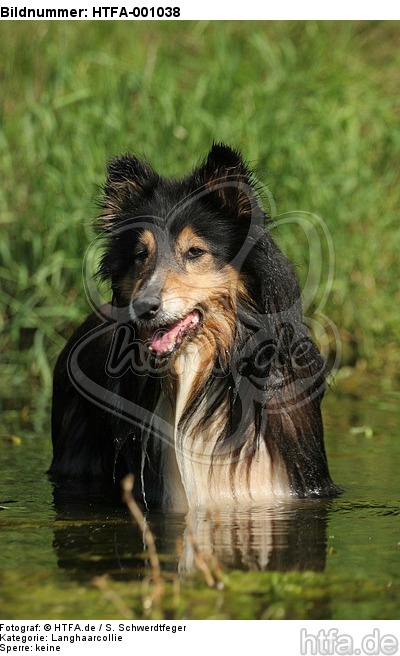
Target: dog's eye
[[141, 254], [194, 253]]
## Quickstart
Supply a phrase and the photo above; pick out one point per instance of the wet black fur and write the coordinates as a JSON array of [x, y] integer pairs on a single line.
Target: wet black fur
[[275, 377]]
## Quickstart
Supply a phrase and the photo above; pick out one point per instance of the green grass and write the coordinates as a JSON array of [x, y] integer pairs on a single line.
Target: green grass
[[314, 106], [245, 596]]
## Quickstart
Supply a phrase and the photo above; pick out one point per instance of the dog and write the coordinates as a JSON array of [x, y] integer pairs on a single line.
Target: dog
[[199, 377]]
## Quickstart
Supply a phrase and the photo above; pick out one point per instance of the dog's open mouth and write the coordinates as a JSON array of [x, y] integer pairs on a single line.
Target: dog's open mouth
[[167, 339]]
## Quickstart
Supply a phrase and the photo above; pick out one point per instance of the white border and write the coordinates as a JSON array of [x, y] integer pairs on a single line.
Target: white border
[[207, 10]]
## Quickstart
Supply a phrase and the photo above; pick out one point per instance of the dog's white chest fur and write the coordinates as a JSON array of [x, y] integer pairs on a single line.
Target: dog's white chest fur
[[194, 473]]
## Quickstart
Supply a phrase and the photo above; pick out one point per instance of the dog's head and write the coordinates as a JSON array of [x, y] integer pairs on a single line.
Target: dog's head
[[176, 250]]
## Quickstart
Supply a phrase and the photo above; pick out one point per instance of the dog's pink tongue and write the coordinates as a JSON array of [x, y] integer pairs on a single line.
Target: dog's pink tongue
[[166, 340]]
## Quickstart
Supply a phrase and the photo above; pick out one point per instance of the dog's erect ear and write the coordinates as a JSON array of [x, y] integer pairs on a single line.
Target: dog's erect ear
[[128, 178], [227, 176]]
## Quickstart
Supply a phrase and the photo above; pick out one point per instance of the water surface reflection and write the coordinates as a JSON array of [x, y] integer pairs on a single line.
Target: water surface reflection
[[97, 539]]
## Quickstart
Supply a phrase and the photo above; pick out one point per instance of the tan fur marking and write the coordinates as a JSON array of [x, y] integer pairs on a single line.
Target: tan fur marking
[[231, 189], [189, 239], [215, 292], [131, 284], [147, 239]]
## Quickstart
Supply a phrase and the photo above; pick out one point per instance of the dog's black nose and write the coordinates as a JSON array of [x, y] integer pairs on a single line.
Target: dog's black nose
[[146, 308]]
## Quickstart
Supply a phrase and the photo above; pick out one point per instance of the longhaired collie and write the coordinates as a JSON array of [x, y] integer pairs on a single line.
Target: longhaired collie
[[199, 377]]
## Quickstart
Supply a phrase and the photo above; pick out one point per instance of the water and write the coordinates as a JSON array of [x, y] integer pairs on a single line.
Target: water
[[347, 549]]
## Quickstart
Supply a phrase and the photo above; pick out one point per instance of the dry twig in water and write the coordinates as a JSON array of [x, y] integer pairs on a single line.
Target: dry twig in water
[[137, 515]]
